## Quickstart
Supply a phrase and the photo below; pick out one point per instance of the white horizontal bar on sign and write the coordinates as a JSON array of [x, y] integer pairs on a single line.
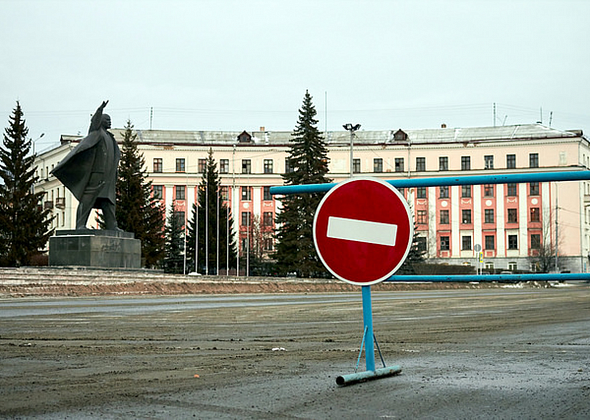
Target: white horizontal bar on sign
[[361, 231]]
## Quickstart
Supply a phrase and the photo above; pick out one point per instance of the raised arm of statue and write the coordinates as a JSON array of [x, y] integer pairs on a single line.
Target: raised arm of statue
[[95, 122]]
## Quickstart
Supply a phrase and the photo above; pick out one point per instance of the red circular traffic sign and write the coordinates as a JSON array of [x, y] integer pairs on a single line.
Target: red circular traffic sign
[[363, 230]]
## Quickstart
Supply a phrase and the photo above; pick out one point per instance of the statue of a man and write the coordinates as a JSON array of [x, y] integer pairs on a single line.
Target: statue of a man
[[89, 171]]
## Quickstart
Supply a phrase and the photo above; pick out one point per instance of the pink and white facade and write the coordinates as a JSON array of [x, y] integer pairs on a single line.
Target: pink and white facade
[[510, 222]]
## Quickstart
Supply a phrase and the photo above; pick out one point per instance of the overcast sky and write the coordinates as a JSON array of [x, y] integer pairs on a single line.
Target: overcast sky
[[234, 65]]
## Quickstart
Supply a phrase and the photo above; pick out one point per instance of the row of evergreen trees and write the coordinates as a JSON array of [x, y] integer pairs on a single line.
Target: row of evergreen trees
[[166, 241]]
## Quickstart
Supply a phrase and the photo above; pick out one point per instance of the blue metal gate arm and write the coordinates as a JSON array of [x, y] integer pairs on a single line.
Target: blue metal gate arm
[[571, 175], [491, 277]]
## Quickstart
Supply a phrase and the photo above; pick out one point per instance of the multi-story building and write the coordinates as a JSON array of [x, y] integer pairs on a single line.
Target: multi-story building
[[508, 222]]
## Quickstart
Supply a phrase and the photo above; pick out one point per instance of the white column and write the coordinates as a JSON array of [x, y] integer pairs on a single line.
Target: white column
[[190, 200], [455, 222], [432, 221], [522, 220], [169, 198], [500, 221], [478, 216], [546, 202], [256, 201]]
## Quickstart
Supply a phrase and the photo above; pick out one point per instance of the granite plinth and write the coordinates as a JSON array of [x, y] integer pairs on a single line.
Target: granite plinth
[[95, 248]]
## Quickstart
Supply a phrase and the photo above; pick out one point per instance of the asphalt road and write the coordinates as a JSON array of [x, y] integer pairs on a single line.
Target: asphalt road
[[501, 353]]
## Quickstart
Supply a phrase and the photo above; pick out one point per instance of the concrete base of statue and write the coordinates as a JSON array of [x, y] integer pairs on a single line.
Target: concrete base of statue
[[95, 248]]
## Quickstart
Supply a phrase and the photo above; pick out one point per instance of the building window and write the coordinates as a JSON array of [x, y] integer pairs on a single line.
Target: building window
[[511, 190], [489, 216], [421, 192], [356, 166], [420, 164], [268, 244], [267, 218], [533, 160], [223, 166], [399, 164], [511, 161], [422, 217], [490, 242], [535, 214], [180, 165], [246, 218], [534, 188], [266, 195], [158, 165], [466, 216], [268, 166], [246, 166], [202, 167], [465, 163], [466, 243], [421, 244], [246, 194], [288, 168], [180, 217], [512, 242], [488, 162], [488, 190], [535, 241], [512, 266], [377, 165], [466, 191], [512, 216], [444, 243], [443, 163], [180, 192], [444, 191], [444, 217], [224, 192], [158, 191]]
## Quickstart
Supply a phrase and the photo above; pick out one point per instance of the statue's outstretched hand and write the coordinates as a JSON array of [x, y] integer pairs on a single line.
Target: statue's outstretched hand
[[104, 104]]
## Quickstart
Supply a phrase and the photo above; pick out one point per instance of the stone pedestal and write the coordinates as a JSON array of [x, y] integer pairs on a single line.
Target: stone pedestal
[[95, 248]]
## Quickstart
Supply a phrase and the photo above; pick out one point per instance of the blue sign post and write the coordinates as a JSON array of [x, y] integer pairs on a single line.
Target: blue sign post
[[363, 232]]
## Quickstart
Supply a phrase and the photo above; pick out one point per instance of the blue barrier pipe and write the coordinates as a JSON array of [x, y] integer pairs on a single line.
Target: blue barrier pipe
[[576, 175], [490, 277], [368, 375]]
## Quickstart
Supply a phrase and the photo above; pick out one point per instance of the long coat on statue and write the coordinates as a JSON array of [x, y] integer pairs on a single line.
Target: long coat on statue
[[98, 152]]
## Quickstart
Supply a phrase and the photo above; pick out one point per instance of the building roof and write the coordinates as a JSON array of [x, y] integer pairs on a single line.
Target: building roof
[[283, 138]]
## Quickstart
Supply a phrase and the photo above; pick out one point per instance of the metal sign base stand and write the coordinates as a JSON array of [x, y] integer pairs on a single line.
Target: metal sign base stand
[[368, 343]]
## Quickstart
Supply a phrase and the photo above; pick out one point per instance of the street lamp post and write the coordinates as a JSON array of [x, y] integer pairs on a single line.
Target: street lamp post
[[35, 157], [352, 129], [35, 142]]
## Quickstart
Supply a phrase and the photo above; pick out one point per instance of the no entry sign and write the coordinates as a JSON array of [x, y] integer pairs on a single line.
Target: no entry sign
[[363, 231]]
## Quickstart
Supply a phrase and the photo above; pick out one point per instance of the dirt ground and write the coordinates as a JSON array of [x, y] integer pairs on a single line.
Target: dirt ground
[[465, 352]]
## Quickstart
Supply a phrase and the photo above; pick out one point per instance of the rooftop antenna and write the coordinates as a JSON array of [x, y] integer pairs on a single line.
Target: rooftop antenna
[[550, 118], [151, 116], [494, 114]]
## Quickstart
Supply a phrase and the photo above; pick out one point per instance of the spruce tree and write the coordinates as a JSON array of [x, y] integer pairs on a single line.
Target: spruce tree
[[308, 164], [137, 210], [415, 256], [24, 225], [208, 194], [174, 245]]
